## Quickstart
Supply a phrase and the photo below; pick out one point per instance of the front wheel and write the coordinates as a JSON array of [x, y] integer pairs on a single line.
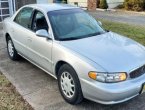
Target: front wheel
[[11, 50], [69, 85]]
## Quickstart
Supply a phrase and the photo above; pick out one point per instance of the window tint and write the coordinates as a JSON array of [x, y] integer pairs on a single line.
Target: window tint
[[24, 17], [39, 22]]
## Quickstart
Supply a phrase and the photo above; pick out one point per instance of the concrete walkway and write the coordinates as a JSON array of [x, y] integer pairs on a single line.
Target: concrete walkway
[[40, 89], [120, 16]]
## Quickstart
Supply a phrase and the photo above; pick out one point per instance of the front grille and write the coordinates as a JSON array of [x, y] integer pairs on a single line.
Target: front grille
[[138, 72]]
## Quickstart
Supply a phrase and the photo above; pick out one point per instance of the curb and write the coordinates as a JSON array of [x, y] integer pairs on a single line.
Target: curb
[[99, 9], [117, 10], [133, 12]]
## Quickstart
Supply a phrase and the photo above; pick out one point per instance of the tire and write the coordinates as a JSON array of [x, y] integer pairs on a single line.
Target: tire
[[11, 50], [69, 85]]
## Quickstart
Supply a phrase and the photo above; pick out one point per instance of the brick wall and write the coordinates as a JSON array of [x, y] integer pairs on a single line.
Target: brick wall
[[92, 4], [20, 3]]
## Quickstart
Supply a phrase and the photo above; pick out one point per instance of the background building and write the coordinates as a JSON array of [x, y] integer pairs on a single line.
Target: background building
[[8, 7], [20, 3], [114, 3], [44, 1]]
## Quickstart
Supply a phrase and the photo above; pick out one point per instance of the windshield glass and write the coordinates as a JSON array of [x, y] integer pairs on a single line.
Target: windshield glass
[[73, 24]]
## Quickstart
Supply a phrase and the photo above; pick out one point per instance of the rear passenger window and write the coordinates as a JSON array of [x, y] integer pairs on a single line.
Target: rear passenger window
[[24, 17]]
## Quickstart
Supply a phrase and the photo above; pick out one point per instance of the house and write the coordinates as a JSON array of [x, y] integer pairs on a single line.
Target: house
[[8, 7], [93, 3], [44, 1], [5, 7], [114, 3], [89, 4]]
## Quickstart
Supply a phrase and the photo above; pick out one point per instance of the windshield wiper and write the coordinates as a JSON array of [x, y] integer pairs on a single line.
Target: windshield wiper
[[95, 34], [70, 38], [81, 37]]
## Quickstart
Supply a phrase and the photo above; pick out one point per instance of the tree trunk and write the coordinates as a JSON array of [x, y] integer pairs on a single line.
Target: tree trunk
[[97, 3], [92, 4]]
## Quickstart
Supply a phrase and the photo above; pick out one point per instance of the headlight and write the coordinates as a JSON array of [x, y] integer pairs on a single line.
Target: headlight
[[108, 77]]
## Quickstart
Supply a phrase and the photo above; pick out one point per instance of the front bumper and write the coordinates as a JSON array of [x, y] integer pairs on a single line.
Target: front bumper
[[112, 93]]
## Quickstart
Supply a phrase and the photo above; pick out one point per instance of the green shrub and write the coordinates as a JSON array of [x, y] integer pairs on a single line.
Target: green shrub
[[103, 4], [135, 5]]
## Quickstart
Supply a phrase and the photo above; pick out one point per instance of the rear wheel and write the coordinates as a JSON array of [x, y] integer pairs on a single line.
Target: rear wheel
[[11, 50], [69, 85]]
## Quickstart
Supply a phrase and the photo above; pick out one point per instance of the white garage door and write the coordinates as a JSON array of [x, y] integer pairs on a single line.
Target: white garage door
[[7, 8]]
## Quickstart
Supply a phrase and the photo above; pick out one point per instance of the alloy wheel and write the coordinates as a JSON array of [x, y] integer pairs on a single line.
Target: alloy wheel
[[10, 48]]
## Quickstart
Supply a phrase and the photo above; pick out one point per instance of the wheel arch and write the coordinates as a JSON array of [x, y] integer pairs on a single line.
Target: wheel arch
[[59, 64], [76, 99], [7, 35]]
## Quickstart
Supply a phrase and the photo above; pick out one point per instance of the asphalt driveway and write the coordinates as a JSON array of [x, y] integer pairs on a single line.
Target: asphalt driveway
[[120, 16], [41, 91]]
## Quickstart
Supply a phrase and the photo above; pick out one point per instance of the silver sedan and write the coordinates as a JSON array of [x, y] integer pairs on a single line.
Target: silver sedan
[[67, 43]]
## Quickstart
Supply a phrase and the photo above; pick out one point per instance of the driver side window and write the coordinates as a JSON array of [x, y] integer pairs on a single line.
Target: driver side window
[[39, 22]]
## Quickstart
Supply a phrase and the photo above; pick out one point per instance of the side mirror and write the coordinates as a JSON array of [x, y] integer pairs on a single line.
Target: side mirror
[[42, 33], [100, 23]]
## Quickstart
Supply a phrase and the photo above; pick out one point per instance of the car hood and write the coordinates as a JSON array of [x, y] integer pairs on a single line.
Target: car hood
[[113, 52]]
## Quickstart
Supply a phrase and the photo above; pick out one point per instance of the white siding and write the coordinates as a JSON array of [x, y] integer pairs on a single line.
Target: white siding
[[114, 3], [81, 3], [84, 3], [44, 1]]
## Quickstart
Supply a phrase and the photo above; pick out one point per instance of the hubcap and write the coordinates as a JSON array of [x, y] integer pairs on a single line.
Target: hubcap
[[10, 48], [67, 85]]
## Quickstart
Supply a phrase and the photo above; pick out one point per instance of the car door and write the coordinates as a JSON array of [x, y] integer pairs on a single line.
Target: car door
[[41, 47], [21, 30]]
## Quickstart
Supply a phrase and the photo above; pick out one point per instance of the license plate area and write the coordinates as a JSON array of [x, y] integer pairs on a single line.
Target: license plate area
[[143, 89]]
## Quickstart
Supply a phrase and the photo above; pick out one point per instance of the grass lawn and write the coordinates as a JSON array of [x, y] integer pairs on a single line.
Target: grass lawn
[[134, 32], [10, 98]]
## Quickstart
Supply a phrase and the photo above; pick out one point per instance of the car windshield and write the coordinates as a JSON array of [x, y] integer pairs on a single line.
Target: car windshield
[[73, 24]]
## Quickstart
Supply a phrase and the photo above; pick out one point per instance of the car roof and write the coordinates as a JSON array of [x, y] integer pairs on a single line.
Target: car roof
[[52, 6]]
